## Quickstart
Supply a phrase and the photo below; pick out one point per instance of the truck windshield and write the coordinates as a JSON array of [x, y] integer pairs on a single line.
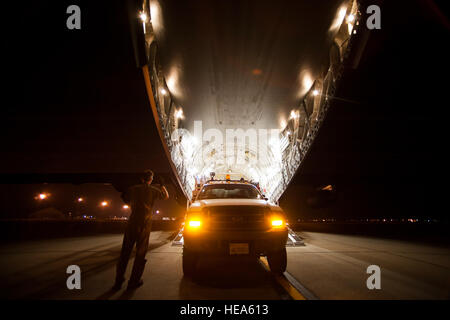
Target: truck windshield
[[229, 191]]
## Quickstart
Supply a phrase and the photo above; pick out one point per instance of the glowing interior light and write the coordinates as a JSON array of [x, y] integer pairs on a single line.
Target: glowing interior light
[[179, 114], [341, 14], [315, 92], [294, 115], [338, 19], [125, 206], [163, 91], [195, 141], [143, 16], [307, 82], [104, 203], [350, 28], [273, 143], [80, 199], [350, 18], [42, 196]]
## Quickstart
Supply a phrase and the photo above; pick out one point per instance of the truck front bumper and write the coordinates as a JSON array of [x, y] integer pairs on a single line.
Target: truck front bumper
[[218, 242]]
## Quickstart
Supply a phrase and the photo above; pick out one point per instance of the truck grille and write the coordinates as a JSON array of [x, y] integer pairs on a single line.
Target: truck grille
[[237, 218]]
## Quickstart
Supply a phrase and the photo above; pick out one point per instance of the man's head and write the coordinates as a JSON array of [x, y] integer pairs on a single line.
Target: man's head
[[147, 177]]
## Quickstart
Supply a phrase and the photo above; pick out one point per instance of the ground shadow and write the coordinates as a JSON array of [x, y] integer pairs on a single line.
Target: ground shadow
[[230, 273], [52, 276], [127, 294], [237, 277]]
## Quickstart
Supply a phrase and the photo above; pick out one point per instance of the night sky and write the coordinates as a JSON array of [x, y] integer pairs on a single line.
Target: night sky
[[74, 101]]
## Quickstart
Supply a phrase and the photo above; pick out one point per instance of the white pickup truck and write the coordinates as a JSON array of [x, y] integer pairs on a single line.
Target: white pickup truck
[[231, 218]]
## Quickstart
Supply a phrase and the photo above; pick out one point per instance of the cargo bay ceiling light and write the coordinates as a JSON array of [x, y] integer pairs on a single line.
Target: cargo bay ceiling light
[[143, 16], [179, 114]]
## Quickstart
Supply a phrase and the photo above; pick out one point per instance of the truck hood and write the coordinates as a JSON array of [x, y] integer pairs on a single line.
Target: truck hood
[[200, 204]]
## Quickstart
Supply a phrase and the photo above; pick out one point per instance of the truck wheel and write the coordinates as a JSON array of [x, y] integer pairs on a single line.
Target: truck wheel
[[277, 261], [189, 262]]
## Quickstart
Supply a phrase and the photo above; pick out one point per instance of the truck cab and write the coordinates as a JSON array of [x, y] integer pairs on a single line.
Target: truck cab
[[231, 219]]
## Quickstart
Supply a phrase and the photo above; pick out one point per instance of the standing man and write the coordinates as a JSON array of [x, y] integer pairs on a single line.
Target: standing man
[[141, 198]]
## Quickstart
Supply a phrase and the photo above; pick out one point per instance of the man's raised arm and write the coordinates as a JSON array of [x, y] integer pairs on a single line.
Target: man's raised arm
[[164, 193]]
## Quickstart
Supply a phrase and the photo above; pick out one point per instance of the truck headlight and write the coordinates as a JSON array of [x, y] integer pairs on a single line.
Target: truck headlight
[[194, 224], [277, 223]]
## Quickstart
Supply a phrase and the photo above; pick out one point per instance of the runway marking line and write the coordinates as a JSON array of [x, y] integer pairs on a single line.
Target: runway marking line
[[290, 289]]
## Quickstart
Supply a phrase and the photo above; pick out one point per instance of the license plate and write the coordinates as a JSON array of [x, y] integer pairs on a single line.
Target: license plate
[[239, 248]]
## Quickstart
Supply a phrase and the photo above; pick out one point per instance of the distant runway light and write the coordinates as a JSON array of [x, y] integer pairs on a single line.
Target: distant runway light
[[104, 203], [42, 196], [125, 206], [80, 199]]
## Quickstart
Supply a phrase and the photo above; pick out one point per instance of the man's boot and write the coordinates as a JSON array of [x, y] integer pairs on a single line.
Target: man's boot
[[118, 283], [135, 279], [121, 266]]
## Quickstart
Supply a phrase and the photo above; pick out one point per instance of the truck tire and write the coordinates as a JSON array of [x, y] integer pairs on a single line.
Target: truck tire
[[189, 262], [277, 261]]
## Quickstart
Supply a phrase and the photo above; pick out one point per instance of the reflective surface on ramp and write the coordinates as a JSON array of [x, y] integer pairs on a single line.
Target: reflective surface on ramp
[[37, 270], [335, 267]]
